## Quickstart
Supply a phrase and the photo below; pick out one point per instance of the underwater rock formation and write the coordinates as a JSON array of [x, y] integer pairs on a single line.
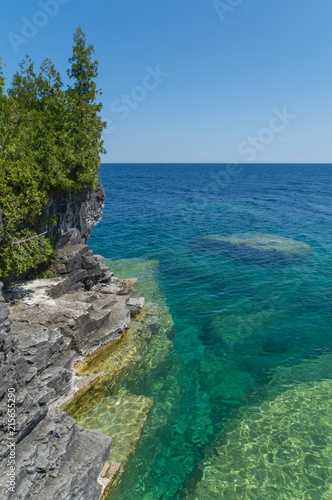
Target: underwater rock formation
[[115, 404], [255, 246], [125, 416], [283, 450]]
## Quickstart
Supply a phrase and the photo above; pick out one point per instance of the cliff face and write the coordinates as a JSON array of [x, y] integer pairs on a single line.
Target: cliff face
[[44, 326], [76, 214]]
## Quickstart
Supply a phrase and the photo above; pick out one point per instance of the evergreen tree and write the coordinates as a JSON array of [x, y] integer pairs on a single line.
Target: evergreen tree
[[84, 70], [85, 123], [24, 85], [50, 139]]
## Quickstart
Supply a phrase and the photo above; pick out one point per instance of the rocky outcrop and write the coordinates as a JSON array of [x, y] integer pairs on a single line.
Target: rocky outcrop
[[75, 214], [45, 326], [88, 320], [54, 457], [78, 264], [61, 460]]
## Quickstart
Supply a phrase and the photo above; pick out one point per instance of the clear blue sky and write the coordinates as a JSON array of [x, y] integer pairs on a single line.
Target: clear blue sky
[[231, 69]]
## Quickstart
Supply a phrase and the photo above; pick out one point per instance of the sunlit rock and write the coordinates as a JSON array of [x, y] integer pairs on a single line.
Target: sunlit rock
[[121, 417], [114, 404], [283, 450]]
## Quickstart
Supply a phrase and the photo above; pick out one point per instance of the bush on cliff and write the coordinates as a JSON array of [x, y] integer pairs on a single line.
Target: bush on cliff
[[50, 139]]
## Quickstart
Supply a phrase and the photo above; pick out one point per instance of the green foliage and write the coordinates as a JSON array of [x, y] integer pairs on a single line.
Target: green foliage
[[36, 274], [50, 139]]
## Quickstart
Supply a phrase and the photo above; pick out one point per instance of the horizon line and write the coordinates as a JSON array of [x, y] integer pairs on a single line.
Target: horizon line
[[213, 163]]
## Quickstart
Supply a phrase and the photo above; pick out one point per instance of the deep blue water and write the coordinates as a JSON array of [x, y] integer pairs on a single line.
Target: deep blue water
[[244, 320]]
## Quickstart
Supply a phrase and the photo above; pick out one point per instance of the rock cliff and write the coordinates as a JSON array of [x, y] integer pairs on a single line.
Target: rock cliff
[[75, 213], [45, 326]]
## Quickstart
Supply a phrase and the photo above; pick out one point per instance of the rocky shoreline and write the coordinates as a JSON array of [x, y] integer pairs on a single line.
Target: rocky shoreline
[[49, 327]]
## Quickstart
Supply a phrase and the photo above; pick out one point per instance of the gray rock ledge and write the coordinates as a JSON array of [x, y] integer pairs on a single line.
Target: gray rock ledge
[[45, 326]]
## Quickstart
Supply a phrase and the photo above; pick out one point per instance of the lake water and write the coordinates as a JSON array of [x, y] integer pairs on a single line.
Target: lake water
[[222, 387]]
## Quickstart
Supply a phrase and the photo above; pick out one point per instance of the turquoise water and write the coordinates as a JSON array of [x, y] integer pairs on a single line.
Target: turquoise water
[[250, 329]]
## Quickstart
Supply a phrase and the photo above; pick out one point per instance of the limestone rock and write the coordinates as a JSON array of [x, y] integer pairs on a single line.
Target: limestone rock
[[90, 319], [108, 474], [4, 312], [45, 325], [76, 214], [40, 372], [59, 460], [70, 258], [135, 305], [38, 291], [83, 269]]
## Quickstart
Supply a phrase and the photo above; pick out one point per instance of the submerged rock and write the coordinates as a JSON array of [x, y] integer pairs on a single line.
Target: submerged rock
[[309, 370], [281, 451], [256, 246], [115, 404], [225, 380], [120, 416]]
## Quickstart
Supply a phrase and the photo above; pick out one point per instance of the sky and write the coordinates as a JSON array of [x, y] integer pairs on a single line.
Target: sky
[[186, 81]]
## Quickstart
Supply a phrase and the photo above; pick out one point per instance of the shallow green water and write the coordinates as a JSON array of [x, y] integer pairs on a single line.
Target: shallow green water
[[221, 387]]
